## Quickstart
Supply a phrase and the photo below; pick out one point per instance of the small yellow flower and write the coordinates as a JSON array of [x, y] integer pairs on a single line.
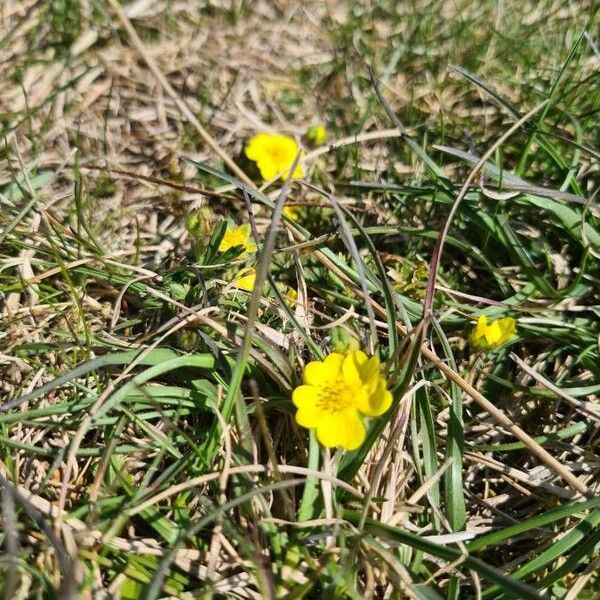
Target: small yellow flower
[[245, 279], [493, 335], [274, 154], [291, 297], [291, 212], [237, 236], [317, 135], [336, 392]]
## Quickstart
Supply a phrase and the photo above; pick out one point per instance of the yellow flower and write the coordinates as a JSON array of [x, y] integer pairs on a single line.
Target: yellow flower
[[274, 154], [291, 212], [336, 392], [494, 334], [317, 135], [237, 236], [245, 279], [291, 297]]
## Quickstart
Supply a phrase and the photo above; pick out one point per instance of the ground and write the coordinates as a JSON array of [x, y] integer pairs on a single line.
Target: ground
[[149, 441]]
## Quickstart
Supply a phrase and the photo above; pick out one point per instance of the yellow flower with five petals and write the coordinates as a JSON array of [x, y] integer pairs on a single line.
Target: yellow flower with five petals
[[336, 393], [274, 154], [493, 335]]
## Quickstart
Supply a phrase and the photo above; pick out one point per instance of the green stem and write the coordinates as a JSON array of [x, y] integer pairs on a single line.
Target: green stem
[[310, 487]]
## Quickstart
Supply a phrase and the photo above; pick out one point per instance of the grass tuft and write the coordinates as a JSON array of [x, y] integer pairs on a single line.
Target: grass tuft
[[148, 446]]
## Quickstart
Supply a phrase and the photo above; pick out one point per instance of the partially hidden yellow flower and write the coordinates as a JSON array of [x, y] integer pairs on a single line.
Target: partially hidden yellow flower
[[274, 154], [291, 212], [291, 297], [237, 236], [317, 135], [336, 393], [493, 335], [245, 279]]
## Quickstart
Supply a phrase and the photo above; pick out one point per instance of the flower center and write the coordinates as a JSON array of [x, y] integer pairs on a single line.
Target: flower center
[[336, 396], [278, 155]]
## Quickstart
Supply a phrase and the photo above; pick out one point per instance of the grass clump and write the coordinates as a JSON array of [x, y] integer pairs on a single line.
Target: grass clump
[[160, 307]]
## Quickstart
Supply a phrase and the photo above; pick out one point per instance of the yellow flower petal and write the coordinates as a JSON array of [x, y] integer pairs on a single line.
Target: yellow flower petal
[[305, 395], [359, 368], [493, 334], [245, 279], [309, 414], [292, 212], [378, 401], [256, 146], [344, 429], [335, 390], [508, 326], [323, 372], [298, 171], [369, 369], [237, 236], [350, 368], [268, 169], [309, 417], [291, 297]]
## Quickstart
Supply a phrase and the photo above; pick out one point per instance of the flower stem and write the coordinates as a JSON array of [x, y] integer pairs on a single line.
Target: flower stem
[[310, 487]]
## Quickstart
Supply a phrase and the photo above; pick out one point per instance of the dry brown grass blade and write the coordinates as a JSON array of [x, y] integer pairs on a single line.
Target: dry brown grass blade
[[183, 107], [201, 479], [516, 475], [182, 187], [369, 136], [70, 461]]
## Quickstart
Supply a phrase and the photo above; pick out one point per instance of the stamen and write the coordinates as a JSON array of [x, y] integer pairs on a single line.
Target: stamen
[[335, 397]]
